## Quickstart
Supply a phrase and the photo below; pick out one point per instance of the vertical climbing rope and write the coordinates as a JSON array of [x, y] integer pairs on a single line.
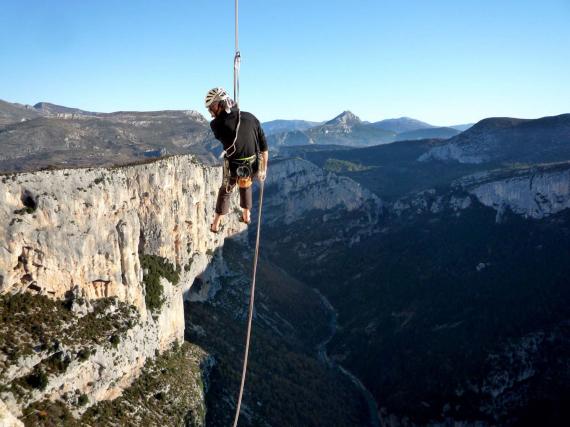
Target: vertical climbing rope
[[250, 311], [237, 62], [237, 57]]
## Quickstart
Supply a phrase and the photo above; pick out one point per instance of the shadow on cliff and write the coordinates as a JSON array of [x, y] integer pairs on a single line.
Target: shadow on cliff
[[286, 382]]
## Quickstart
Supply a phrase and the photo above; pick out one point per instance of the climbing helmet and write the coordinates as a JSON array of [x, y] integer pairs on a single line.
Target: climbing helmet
[[215, 94]]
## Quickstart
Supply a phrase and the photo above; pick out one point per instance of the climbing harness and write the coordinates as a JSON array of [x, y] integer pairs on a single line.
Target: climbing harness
[[237, 62], [244, 171]]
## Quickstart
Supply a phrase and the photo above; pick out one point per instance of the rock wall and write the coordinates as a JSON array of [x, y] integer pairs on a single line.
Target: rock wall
[[82, 231], [475, 153], [536, 194], [531, 192], [296, 186], [7, 419]]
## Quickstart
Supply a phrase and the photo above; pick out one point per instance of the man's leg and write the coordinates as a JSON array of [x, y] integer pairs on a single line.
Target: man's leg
[[222, 207], [223, 200], [245, 201], [222, 204]]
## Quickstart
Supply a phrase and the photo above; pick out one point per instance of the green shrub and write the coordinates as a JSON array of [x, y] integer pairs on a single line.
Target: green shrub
[[83, 399], [157, 267], [115, 340], [57, 362], [83, 354], [24, 210], [37, 379]]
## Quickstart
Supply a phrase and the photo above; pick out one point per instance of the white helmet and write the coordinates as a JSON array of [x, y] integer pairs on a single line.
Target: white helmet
[[216, 94]]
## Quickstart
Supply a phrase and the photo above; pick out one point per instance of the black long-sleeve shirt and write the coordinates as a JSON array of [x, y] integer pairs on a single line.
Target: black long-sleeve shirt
[[250, 135]]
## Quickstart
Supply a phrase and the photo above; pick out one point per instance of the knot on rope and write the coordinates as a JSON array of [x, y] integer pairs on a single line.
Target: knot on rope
[[237, 60]]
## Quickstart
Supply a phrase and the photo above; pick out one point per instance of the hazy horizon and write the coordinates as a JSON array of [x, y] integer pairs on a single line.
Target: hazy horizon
[[324, 119]]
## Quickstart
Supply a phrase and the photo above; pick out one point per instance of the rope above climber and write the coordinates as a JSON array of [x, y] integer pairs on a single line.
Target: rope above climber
[[245, 153]]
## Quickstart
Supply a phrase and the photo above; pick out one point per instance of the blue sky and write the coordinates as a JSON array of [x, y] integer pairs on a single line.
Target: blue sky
[[441, 61]]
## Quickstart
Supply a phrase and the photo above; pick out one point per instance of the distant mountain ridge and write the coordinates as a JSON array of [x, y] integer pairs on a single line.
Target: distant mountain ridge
[[15, 113], [344, 129], [462, 127], [428, 133], [35, 137], [402, 124], [53, 109], [505, 138], [276, 126], [349, 130], [55, 136]]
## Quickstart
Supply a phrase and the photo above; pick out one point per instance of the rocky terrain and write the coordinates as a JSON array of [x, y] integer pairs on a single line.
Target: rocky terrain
[[425, 281], [14, 113], [119, 247], [451, 304], [48, 136]]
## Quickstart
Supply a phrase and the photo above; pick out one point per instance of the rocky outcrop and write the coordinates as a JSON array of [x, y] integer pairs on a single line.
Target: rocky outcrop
[[87, 227], [7, 419], [453, 151], [295, 187], [83, 232], [532, 193]]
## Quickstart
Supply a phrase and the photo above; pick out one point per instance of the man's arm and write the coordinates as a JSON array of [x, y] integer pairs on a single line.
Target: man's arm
[[264, 153], [263, 166], [215, 129]]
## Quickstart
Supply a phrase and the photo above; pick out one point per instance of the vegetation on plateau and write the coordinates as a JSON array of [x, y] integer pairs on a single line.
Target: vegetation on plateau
[[35, 324], [169, 391]]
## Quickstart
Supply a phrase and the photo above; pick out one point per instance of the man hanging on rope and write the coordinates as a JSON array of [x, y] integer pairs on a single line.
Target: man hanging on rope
[[246, 153]]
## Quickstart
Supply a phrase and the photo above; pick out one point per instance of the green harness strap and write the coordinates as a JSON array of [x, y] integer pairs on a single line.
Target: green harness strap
[[247, 158]]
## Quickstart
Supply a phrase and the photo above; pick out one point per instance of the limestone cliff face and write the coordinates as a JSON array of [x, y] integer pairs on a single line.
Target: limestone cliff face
[[83, 230], [296, 186], [472, 154], [533, 193], [7, 419]]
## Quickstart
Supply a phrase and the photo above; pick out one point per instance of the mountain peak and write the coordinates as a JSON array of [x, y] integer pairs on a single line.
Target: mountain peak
[[402, 124], [346, 118]]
